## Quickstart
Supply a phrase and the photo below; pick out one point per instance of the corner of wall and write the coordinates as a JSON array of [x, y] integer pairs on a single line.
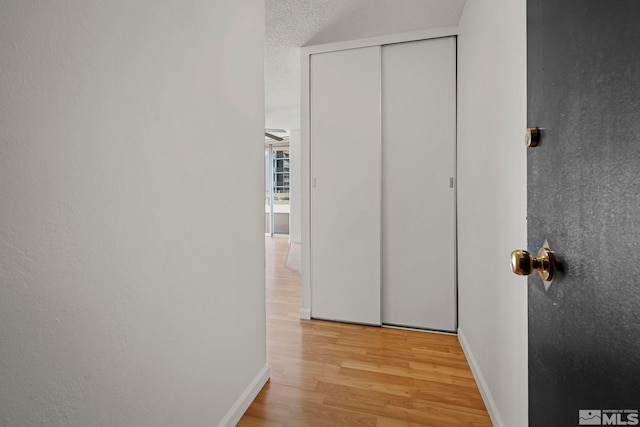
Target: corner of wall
[[246, 398], [305, 313], [487, 397], [492, 202], [295, 200]]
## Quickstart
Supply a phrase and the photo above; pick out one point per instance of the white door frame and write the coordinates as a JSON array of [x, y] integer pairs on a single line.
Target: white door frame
[[305, 57]]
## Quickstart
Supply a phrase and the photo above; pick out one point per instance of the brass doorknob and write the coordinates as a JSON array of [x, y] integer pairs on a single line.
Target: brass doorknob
[[523, 263]]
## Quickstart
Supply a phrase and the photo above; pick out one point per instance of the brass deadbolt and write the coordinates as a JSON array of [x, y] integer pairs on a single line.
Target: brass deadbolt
[[532, 137], [523, 263]]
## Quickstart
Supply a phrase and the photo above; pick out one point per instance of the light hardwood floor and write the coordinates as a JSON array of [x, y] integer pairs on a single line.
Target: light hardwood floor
[[333, 374]]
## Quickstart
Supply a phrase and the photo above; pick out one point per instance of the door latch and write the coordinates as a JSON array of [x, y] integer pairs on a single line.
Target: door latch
[[532, 137]]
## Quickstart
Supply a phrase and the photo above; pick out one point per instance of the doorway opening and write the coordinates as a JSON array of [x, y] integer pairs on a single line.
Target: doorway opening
[[277, 186]]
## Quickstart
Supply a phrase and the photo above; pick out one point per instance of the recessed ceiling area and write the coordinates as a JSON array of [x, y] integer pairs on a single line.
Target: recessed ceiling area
[[291, 24]]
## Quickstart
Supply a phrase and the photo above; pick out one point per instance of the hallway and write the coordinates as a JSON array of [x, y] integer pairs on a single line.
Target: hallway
[[334, 374]]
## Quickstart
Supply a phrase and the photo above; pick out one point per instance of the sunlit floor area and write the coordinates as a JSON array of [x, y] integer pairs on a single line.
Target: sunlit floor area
[[335, 374]]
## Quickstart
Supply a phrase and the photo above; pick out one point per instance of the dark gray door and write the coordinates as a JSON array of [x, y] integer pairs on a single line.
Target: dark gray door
[[584, 197]]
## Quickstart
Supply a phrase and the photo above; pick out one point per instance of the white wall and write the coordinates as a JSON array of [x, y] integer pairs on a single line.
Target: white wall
[[131, 274], [295, 195], [492, 201]]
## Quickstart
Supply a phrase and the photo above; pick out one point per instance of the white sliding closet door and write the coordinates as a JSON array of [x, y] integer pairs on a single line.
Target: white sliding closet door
[[418, 168], [345, 181]]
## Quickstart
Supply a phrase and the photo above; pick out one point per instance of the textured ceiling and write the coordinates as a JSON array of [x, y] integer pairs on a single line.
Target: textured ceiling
[[294, 23]]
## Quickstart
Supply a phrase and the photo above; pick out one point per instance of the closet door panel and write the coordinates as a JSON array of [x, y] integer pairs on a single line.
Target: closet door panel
[[418, 163], [345, 181]]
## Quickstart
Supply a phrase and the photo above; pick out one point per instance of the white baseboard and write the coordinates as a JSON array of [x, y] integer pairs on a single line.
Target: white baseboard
[[246, 398], [496, 419], [305, 314]]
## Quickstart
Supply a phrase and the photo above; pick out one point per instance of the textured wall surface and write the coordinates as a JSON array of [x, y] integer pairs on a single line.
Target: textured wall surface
[[584, 197], [131, 217], [492, 200]]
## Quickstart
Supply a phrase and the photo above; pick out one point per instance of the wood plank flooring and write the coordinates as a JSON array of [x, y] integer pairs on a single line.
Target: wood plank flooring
[[333, 374]]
